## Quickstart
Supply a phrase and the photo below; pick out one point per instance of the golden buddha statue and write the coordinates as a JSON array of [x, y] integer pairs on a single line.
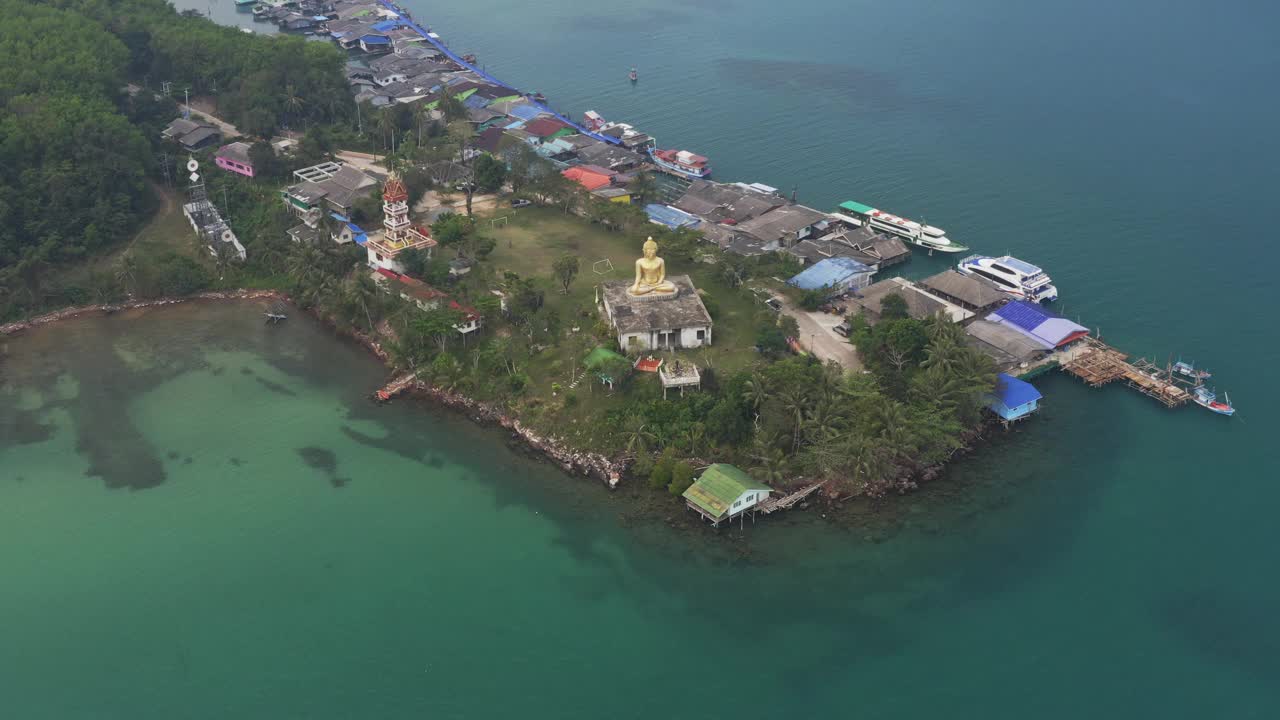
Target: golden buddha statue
[[651, 273]]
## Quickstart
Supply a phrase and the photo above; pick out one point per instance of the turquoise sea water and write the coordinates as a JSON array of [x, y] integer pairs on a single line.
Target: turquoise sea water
[[321, 557]]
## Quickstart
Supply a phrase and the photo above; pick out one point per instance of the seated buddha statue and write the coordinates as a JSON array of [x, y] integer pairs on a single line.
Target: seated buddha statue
[[651, 273]]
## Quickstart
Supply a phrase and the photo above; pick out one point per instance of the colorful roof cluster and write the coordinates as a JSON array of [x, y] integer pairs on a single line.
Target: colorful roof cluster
[[1037, 323], [720, 485]]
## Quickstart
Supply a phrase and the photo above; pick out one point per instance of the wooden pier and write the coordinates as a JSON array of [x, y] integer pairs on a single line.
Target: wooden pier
[[783, 503], [1098, 364], [395, 387]]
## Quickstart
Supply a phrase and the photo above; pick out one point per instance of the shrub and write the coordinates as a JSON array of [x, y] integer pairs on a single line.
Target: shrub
[[681, 478], [661, 475]]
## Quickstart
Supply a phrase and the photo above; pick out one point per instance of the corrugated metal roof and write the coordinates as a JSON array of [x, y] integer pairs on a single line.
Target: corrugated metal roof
[[1012, 392], [669, 216], [719, 486], [828, 273]]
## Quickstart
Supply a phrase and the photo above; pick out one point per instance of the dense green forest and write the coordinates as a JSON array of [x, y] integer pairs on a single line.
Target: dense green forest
[[77, 148]]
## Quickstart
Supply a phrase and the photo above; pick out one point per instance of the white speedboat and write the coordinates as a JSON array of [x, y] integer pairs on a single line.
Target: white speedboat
[[1011, 275]]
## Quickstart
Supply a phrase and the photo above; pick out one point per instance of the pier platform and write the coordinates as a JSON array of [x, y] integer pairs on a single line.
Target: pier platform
[[1098, 364]]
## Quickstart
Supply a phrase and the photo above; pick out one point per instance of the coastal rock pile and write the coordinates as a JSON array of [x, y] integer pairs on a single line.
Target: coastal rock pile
[[16, 327]]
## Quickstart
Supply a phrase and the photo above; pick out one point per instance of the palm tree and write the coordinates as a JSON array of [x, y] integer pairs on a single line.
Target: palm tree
[[360, 293], [637, 436], [695, 437], [387, 126], [756, 392], [795, 402], [643, 187], [127, 273], [771, 465], [293, 102]]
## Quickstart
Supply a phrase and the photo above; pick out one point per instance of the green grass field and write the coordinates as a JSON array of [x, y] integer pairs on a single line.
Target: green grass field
[[529, 243]]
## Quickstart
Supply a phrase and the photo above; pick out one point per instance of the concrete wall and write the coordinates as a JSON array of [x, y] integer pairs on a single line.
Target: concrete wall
[[688, 338]]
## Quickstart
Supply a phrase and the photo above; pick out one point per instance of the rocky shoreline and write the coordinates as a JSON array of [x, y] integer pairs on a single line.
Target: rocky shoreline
[[574, 462], [585, 464]]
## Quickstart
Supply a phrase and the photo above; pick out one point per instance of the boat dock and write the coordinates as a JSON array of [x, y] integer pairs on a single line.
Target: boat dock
[[1098, 364], [774, 504], [395, 387]]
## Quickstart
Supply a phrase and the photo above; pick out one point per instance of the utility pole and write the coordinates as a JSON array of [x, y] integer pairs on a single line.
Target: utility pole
[[186, 94], [226, 208]]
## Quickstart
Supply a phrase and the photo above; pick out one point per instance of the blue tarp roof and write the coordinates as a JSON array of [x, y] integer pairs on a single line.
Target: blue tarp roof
[[828, 273], [524, 112], [475, 101], [357, 233], [669, 216], [1012, 392], [375, 39], [386, 25]]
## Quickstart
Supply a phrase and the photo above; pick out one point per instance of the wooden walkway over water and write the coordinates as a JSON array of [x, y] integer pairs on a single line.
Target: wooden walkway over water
[[395, 387], [1099, 364], [787, 501]]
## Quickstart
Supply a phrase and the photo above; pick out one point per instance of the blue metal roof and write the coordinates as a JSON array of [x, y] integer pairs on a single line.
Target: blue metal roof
[[669, 216], [375, 39], [1012, 392], [524, 112], [1023, 314], [386, 25], [475, 101], [828, 273]]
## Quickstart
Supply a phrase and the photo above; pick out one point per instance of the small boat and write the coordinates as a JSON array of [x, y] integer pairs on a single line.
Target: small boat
[[1011, 276], [1189, 370], [682, 163], [633, 76], [469, 58], [1208, 399], [538, 97], [245, 3]]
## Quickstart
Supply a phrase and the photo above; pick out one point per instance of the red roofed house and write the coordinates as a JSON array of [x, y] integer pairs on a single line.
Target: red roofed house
[[547, 129], [427, 298], [591, 177]]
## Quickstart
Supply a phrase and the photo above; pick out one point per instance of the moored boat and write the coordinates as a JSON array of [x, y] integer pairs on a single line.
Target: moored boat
[[1189, 370], [916, 233], [1208, 399], [633, 76], [1011, 276], [682, 163]]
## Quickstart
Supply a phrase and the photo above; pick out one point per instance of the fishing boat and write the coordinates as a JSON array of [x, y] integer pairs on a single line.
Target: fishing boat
[[916, 233], [1208, 399], [1011, 276], [633, 76], [1189, 370], [682, 163]]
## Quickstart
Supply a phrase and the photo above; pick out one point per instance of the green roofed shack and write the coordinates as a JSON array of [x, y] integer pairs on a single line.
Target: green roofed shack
[[725, 492]]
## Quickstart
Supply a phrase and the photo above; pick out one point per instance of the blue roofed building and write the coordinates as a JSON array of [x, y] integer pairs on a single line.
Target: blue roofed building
[[1039, 324], [1013, 399], [347, 231], [835, 275], [670, 217]]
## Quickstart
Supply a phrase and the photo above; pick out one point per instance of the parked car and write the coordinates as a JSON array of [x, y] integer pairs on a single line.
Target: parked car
[[842, 330], [774, 303], [520, 202]]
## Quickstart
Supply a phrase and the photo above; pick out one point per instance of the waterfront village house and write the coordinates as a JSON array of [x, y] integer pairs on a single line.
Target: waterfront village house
[[234, 157], [833, 275], [1038, 324], [724, 492], [589, 177], [1007, 347], [427, 298], [327, 187], [656, 311], [398, 235], [1013, 399], [785, 226], [347, 231], [966, 291], [920, 304], [191, 134]]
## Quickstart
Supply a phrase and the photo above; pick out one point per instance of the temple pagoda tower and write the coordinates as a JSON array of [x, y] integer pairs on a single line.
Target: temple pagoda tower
[[398, 233]]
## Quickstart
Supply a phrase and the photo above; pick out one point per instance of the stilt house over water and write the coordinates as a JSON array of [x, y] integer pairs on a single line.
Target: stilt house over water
[[724, 492]]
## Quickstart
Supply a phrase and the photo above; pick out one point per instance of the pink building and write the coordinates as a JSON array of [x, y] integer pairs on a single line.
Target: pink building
[[235, 158]]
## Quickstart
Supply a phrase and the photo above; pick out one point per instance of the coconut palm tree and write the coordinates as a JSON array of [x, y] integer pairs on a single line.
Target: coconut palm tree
[[637, 436], [756, 391], [293, 102], [127, 272], [795, 403]]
